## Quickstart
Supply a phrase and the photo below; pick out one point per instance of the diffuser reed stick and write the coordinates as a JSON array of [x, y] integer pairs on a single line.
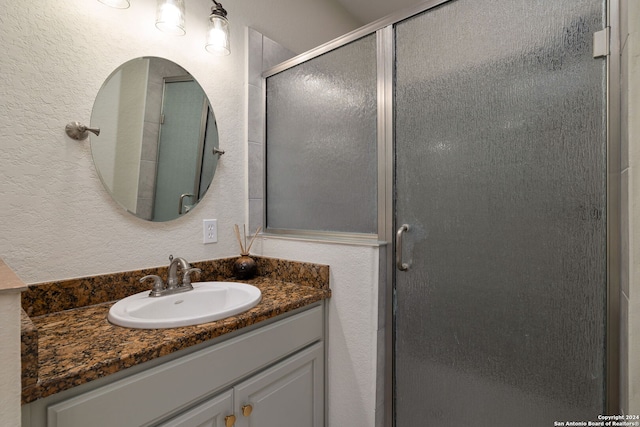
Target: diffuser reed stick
[[253, 238], [237, 230], [244, 249]]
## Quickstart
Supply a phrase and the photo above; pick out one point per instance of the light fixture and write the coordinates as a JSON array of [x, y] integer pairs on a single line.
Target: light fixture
[[170, 17], [218, 31], [118, 4]]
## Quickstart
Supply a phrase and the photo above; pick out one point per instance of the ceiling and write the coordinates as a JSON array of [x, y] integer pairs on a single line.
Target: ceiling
[[367, 11]]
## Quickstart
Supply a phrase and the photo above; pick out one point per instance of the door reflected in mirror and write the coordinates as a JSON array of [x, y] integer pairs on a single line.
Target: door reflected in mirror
[[158, 135]]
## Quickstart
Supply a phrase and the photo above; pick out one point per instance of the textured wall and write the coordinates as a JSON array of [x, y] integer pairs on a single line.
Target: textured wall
[[57, 220]]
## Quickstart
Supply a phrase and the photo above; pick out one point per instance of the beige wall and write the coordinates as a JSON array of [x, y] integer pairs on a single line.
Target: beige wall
[[630, 278]]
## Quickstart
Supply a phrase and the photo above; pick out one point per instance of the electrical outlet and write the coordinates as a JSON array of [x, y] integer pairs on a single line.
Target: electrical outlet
[[210, 230]]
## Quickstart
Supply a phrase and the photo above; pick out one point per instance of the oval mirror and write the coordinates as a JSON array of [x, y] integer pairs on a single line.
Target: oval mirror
[[158, 146]]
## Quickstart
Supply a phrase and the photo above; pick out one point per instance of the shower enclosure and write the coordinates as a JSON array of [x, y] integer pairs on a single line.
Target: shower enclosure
[[493, 192], [500, 144]]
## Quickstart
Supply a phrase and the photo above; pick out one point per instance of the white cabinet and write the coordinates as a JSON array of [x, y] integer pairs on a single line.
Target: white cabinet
[[289, 394], [278, 369], [216, 412]]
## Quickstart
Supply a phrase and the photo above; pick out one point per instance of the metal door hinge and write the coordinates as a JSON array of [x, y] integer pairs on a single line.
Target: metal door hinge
[[601, 43]]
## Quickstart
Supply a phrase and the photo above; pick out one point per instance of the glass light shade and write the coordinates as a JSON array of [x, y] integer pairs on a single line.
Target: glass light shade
[[170, 17], [218, 35], [118, 4]]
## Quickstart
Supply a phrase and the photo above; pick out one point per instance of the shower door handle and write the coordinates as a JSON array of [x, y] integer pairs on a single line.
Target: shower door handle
[[402, 266]]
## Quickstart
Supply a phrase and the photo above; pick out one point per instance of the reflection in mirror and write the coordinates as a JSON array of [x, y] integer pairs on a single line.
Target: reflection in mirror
[[155, 153]]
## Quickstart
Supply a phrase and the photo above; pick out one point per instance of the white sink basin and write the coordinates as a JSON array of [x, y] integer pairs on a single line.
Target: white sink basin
[[208, 301]]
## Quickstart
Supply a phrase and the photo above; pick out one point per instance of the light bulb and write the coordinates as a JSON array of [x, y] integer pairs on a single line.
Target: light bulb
[[218, 35], [170, 17]]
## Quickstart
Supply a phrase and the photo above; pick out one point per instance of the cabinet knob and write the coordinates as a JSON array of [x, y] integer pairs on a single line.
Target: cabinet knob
[[246, 410], [229, 420]]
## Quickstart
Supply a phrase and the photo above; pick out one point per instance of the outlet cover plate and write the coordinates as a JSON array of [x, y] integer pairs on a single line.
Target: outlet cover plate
[[210, 230]]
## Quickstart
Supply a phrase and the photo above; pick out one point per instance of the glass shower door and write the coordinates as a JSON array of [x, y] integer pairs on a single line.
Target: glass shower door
[[500, 146]]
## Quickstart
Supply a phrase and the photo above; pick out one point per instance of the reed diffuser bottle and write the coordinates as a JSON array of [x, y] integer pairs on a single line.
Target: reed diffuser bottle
[[245, 267]]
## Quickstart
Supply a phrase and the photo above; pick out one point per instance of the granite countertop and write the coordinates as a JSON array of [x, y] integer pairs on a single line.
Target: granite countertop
[[68, 341]]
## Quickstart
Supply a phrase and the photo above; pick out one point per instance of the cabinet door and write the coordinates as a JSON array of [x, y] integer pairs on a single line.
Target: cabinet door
[[212, 413], [290, 394]]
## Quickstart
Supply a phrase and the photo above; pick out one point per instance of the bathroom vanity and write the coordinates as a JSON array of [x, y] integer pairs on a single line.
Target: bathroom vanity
[[263, 367]]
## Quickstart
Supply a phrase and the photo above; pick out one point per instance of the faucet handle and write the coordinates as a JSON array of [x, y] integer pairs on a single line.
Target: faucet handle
[[186, 278], [158, 284]]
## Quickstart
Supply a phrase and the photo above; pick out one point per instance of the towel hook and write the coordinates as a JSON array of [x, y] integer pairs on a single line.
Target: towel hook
[[79, 132]]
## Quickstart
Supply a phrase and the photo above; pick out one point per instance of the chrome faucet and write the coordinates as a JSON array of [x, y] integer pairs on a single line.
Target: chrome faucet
[[172, 278], [173, 285]]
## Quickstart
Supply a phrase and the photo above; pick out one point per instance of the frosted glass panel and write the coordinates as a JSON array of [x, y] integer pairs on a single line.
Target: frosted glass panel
[[500, 174], [321, 142]]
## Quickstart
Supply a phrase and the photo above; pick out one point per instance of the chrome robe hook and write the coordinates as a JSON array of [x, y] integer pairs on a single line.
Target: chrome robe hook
[[79, 132]]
